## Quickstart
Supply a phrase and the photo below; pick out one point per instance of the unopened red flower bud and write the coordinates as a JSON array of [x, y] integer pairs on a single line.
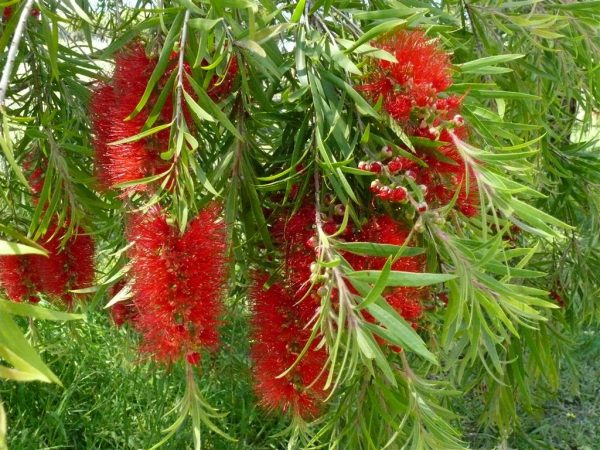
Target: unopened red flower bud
[[422, 207], [375, 167], [411, 174], [398, 194], [384, 193], [362, 165], [395, 165], [375, 186]]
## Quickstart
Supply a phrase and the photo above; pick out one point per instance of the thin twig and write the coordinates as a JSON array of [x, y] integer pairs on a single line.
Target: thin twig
[[12, 51], [181, 72]]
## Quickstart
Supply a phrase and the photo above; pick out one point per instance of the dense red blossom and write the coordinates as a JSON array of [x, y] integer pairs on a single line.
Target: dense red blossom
[[421, 72], [65, 268], [35, 172], [280, 331], [411, 89], [112, 103], [297, 237], [444, 177], [110, 106], [178, 282], [13, 277]]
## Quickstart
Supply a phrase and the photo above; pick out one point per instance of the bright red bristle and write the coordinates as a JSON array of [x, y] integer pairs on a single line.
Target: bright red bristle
[[421, 72], [178, 282], [50, 273], [13, 277], [280, 333], [80, 253]]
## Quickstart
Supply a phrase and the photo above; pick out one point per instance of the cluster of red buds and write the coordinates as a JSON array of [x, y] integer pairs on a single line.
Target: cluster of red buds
[[111, 105], [66, 267], [178, 282], [412, 91]]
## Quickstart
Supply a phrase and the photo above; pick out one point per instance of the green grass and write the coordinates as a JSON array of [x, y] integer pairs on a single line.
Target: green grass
[[113, 400]]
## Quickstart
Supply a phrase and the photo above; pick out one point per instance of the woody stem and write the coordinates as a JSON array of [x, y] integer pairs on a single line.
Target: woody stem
[[12, 51]]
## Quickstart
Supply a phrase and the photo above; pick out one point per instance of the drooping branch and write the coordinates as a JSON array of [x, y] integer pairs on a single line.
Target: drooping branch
[[12, 51]]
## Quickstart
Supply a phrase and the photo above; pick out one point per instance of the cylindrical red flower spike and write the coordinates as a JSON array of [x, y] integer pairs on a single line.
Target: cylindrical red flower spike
[[110, 106], [80, 260], [280, 332], [178, 282], [50, 273]]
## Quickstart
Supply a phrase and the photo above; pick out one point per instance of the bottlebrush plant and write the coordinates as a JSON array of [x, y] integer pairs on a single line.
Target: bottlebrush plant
[[376, 203]]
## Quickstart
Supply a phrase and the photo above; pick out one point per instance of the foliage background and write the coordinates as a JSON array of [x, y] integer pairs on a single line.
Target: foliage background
[[542, 102]]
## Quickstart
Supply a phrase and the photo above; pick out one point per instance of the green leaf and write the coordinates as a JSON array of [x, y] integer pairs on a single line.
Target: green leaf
[[80, 12], [161, 65], [476, 65], [372, 249], [196, 109], [15, 349], [379, 285], [377, 31], [208, 105], [142, 135], [252, 46], [396, 278], [14, 248], [298, 10], [398, 331], [29, 310]]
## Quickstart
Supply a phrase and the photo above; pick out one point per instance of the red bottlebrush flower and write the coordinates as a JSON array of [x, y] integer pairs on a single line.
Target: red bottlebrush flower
[[35, 171], [123, 311], [422, 71], [6, 13], [280, 333], [421, 61], [80, 260], [193, 358], [178, 282], [13, 277], [399, 107], [54, 274], [50, 273], [295, 234], [110, 105]]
